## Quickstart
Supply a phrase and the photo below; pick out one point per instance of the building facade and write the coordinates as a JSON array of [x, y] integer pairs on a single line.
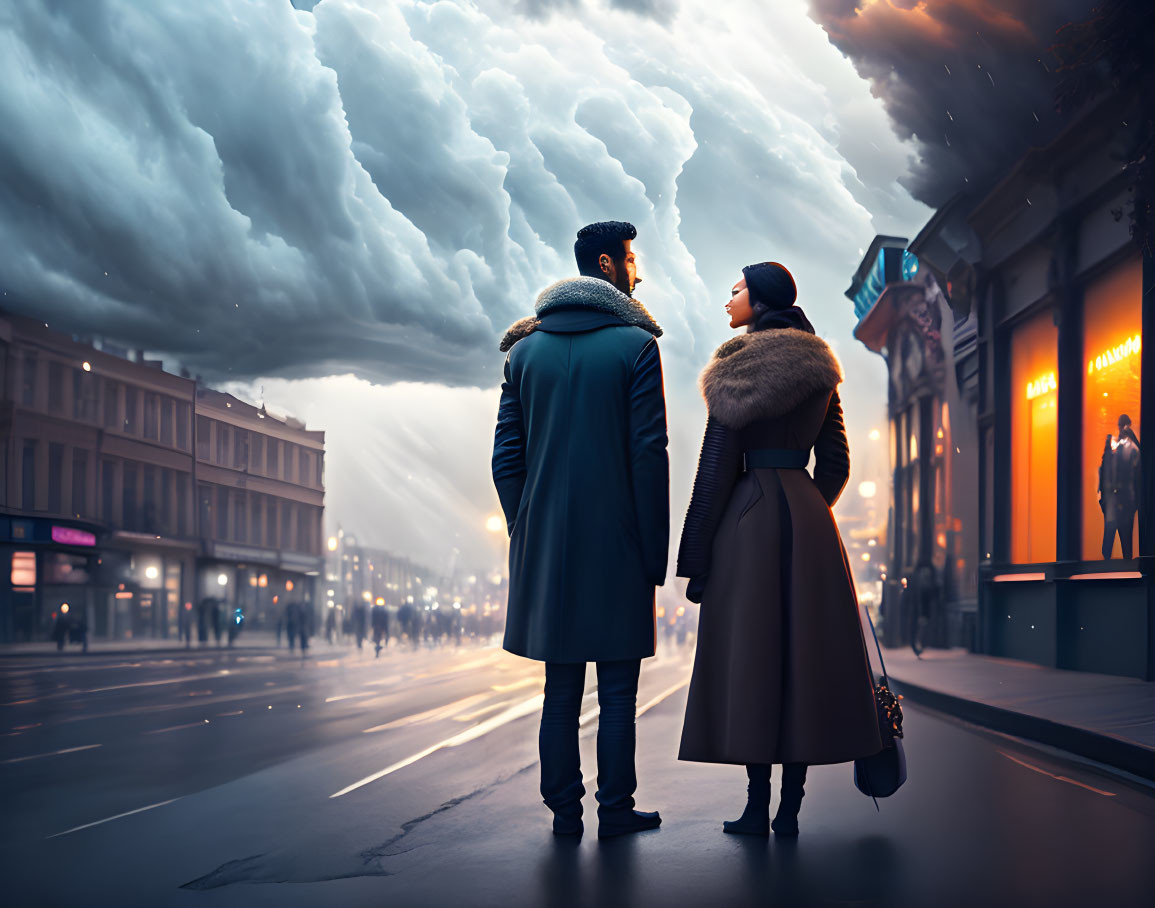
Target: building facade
[[103, 509], [1043, 300]]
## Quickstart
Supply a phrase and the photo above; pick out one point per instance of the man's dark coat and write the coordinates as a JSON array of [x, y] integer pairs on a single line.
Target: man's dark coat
[[580, 466]]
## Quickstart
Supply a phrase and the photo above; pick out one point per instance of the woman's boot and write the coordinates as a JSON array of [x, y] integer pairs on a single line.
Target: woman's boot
[[786, 820], [755, 819]]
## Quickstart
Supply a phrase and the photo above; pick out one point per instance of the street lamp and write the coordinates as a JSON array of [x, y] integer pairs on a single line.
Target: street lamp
[[494, 523], [867, 488], [332, 543], [223, 579]]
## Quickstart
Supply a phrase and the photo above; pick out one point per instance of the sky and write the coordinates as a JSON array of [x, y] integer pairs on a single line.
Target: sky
[[337, 207]]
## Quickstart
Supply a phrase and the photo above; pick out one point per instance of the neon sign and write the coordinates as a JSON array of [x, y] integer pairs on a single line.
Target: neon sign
[[72, 536], [1042, 385], [1129, 347]]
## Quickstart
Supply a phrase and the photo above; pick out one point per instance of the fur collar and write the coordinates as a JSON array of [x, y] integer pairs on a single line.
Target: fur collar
[[585, 292], [767, 374]]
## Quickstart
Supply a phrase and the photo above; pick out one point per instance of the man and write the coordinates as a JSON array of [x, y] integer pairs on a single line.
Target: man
[[1119, 488], [581, 468]]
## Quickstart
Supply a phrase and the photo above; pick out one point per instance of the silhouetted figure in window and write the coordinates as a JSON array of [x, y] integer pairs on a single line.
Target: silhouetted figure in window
[[1119, 487]]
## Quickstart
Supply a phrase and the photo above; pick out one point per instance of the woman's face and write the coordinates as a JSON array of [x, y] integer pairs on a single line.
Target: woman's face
[[739, 309]]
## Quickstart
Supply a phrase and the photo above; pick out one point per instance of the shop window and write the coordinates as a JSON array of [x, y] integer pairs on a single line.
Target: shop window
[[1111, 390], [1034, 439]]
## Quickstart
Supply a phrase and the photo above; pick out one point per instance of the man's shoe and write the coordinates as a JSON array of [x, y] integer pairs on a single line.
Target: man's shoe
[[626, 821], [567, 825], [785, 826]]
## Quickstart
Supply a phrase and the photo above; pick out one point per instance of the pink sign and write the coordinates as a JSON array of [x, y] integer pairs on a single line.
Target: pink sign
[[71, 536]]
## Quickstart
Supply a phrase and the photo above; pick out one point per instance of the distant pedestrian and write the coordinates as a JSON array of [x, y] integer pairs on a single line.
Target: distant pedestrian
[[360, 620], [217, 618], [330, 623], [291, 619], [379, 621]]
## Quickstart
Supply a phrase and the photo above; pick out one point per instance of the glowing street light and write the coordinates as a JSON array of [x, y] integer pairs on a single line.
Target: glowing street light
[[152, 572], [223, 579], [875, 435], [332, 543], [86, 366], [494, 523], [867, 488]]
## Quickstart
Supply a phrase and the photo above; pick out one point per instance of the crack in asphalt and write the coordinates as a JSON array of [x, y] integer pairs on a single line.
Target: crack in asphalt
[[249, 869], [370, 855]]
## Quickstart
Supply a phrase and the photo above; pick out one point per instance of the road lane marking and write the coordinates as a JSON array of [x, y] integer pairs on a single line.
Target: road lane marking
[[438, 712], [339, 697], [476, 663], [478, 713], [392, 679], [1106, 794], [52, 753], [669, 692], [127, 813], [517, 685], [238, 712], [525, 708], [161, 731]]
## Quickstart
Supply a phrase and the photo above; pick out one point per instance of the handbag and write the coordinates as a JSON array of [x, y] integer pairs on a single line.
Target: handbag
[[882, 774]]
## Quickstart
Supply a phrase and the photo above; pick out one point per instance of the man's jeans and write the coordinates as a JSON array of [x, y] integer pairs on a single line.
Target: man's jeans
[[561, 775]]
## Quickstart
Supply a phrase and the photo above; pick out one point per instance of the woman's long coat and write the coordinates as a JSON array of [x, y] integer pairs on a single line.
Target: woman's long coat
[[580, 466], [781, 673]]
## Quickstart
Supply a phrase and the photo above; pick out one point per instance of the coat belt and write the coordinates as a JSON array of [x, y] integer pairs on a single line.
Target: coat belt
[[777, 459]]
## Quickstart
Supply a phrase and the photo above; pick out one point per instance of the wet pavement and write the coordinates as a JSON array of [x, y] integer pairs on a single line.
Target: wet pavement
[[412, 780]]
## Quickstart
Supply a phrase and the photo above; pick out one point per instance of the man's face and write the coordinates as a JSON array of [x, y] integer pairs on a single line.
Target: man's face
[[622, 273]]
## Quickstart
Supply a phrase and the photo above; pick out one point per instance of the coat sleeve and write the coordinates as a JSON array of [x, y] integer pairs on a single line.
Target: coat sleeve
[[719, 466], [509, 450], [832, 453], [650, 462]]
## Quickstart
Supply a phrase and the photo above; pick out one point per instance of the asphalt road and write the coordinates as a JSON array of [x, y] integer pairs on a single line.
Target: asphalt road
[[253, 778]]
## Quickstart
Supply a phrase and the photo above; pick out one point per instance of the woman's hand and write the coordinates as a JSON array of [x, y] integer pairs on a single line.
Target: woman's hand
[[696, 587]]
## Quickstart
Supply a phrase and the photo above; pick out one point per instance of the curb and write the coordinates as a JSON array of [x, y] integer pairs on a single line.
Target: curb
[[1102, 748]]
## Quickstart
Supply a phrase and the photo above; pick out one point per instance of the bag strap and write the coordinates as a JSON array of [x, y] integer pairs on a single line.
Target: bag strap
[[885, 679]]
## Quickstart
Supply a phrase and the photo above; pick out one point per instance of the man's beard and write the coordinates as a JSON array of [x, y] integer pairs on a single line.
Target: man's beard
[[623, 281]]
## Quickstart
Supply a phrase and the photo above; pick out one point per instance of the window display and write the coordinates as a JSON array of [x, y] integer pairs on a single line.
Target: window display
[[1112, 340], [1034, 439]]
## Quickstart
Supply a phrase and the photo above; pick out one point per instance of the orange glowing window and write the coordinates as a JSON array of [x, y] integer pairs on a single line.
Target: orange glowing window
[[1112, 341], [1034, 439], [24, 569]]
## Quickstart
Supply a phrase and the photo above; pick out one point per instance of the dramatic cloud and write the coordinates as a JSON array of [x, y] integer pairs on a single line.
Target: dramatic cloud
[[270, 192], [969, 79]]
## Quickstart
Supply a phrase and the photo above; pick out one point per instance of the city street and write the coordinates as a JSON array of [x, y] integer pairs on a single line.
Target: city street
[[201, 778]]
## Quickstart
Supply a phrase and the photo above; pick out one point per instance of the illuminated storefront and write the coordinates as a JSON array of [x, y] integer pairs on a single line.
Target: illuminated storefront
[[1037, 492], [1112, 348], [1034, 439]]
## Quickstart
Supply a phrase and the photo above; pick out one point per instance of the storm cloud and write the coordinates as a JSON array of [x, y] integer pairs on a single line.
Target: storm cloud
[[970, 80], [348, 202]]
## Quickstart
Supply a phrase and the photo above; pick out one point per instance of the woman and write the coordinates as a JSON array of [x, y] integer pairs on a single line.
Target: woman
[[781, 673]]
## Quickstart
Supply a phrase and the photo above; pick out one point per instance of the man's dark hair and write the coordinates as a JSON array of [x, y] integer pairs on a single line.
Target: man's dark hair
[[602, 238]]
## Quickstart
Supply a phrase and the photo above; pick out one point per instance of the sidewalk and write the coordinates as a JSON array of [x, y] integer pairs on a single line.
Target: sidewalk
[[247, 640], [1104, 718]]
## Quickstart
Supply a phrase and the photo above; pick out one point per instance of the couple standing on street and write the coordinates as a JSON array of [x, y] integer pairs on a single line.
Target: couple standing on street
[[580, 465]]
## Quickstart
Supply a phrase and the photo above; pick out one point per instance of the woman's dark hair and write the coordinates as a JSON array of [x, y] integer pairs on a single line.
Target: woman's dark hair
[[602, 238], [772, 295]]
